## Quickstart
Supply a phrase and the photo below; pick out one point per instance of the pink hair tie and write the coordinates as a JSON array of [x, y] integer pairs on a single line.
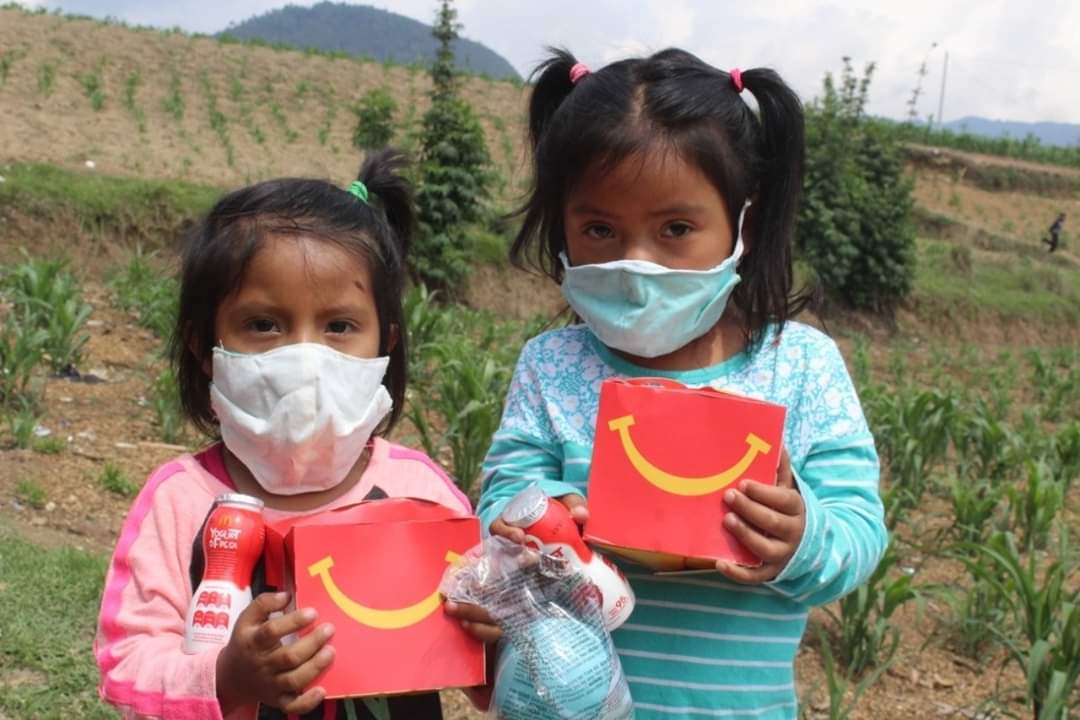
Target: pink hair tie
[[579, 71], [736, 79]]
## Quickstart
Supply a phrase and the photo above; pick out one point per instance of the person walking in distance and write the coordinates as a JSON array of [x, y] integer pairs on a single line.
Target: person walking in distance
[[1054, 234]]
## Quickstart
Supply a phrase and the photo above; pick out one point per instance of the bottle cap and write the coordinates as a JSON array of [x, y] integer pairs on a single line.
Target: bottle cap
[[526, 507], [239, 500]]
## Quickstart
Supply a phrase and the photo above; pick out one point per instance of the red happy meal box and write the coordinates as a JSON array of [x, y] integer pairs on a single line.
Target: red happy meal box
[[662, 458], [373, 570]]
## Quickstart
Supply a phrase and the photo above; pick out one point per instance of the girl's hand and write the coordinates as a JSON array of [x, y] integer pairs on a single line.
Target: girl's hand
[[256, 667], [476, 620], [768, 520], [576, 504]]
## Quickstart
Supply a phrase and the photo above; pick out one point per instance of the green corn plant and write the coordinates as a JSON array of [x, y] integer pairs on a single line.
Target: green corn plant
[[1064, 396], [984, 443], [860, 361], [974, 613], [837, 681], [22, 345], [65, 343], [866, 637], [46, 76], [22, 421], [1045, 639], [218, 122], [1042, 374], [974, 504], [898, 363], [1067, 454], [912, 430], [461, 409], [173, 104], [131, 89], [164, 398], [1036, 505], [94, 87], [1056, 382], [326, 93], [426, 320], [7, 60], [50, 297], [1032, 440], [1000, 386], [140, 287]]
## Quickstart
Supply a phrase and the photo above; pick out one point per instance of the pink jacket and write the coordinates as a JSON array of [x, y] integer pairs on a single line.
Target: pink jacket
[[144, 672]]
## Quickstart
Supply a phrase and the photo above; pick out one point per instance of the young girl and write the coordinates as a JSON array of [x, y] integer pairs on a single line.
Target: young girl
[[290, 344], [664, 205]]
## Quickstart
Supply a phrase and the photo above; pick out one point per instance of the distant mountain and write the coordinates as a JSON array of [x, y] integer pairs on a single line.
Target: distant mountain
[[1049, 133], [368, 31]]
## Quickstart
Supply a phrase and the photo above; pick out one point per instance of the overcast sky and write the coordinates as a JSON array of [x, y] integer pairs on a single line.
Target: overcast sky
[[1007, 59]]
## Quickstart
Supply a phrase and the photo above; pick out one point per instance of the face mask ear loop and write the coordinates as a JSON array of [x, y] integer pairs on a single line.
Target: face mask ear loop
[[739, 250]]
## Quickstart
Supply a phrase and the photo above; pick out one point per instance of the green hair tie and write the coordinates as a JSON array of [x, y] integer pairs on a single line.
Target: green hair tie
[[359, 189]]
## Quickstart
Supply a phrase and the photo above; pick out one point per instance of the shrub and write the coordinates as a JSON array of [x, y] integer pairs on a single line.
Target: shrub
[[374, 120], [854, 226]]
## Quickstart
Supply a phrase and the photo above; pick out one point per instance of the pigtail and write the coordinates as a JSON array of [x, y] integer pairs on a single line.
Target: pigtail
[[552, 85], [389, 190], [766, 293], [390, 197]]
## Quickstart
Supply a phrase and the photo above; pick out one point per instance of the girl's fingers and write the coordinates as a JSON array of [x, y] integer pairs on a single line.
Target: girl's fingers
[[302, 704], [468, 612], [783, 499], [767, 548], [769, 521], [514, 534], [288, 657], [747, 575], [579, 509], [483, 632], [269, 634], [784, 477], [699, 564], [262, 607], [291, 684]]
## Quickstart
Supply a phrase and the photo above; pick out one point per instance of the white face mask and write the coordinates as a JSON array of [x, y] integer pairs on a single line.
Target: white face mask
[[298, 416]]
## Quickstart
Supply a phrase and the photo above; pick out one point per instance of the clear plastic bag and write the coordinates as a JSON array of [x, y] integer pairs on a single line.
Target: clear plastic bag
[[556, 661]]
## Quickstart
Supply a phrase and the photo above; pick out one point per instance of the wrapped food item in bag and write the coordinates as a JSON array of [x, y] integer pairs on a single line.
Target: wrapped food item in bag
[[556, 660]]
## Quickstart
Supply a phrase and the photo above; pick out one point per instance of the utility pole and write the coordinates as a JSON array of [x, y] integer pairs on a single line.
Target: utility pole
[[941, 98]]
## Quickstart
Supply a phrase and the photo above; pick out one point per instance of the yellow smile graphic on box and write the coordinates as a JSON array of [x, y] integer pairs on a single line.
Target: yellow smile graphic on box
[[373, 617], [678, 484]]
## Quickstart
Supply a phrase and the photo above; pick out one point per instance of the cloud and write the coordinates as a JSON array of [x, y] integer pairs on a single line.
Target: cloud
[[1006, 60]]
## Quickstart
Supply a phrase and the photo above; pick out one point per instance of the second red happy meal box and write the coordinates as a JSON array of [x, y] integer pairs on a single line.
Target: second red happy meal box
[[373, 570], [663, 456]]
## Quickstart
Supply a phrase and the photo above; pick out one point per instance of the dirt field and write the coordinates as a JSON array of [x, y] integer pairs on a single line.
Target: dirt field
[[299, 104], [108, 422]]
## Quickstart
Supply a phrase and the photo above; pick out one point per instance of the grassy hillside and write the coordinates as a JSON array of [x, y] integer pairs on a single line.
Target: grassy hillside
[[168, 105]]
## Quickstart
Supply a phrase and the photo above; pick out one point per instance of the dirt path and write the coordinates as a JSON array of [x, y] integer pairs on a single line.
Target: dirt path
[[999, 160]]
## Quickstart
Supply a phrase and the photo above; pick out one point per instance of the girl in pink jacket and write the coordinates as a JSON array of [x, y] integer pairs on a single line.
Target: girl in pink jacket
[[290, 348]]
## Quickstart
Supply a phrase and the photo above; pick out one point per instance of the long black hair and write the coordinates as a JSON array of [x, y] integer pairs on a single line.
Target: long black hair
[[672, 101], [219, 249]]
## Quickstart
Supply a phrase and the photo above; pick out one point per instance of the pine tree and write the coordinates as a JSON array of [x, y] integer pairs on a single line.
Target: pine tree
[[454, 177]]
